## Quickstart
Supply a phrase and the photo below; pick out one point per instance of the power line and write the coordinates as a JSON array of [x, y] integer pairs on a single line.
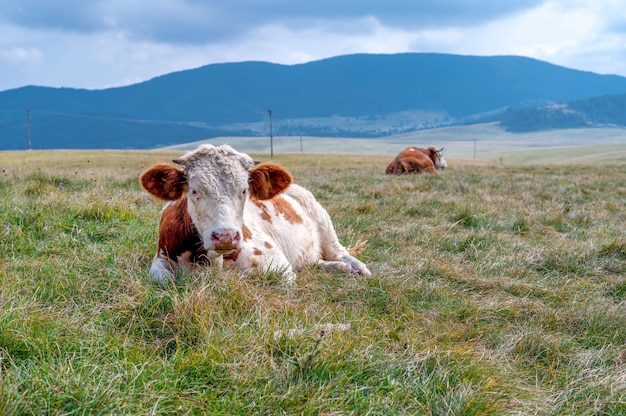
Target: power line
[[97, 117]]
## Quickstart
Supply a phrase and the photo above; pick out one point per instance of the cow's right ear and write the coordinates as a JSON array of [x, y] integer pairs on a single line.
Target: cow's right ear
[[164, 182]]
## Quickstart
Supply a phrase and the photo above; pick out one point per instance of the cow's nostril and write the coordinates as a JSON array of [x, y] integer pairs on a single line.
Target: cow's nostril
[[222, 235], [225, 239]]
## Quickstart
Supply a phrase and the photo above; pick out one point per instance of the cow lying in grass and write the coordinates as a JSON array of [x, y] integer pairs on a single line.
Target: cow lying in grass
[[417, 160], [223, 207]]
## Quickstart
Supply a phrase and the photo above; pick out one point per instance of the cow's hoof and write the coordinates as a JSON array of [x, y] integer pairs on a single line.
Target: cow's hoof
[[356, 266], [162, 273]]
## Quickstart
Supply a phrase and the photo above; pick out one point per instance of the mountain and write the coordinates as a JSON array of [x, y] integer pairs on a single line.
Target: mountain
[[352, 95]]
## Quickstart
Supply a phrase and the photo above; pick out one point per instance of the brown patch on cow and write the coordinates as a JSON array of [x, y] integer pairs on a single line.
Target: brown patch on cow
[[233, 255], [268, 180], [267, 244], [264, 214], [164, 182], [257, 252], [178, 235], [247, 234], [432, 152], [285, 208]]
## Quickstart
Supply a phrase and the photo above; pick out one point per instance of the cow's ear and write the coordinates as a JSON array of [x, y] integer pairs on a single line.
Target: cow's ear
[[268, 180], [164, 181]]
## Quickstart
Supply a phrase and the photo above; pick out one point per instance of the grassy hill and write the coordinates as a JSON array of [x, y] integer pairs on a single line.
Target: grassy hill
[[498, 289], [602, 111]]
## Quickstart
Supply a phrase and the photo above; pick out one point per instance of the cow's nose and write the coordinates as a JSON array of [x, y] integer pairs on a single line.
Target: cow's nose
[[225, 239]]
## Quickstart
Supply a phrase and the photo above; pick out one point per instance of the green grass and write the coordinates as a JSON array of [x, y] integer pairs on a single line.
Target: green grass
[[497, 290]]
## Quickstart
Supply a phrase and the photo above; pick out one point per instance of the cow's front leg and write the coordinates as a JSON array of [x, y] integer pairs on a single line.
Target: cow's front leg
[[335, 265], [163, 271], [347, 264]]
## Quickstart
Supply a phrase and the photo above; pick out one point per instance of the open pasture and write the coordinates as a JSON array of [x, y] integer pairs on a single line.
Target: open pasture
[[496, 289], [480, 142]]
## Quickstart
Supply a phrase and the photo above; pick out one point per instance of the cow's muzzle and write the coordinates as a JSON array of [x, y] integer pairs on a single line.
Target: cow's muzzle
[[225, 240]]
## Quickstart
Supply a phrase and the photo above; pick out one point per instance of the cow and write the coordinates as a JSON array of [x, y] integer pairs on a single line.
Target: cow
[[222, 206], [417, 160]]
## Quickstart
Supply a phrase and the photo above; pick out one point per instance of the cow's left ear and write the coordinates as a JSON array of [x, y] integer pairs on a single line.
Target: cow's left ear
[[164, 181], [268, 180]]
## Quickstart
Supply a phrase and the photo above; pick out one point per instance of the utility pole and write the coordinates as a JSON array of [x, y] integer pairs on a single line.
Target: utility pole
[[28, 128], [474, 148], [271, 136]]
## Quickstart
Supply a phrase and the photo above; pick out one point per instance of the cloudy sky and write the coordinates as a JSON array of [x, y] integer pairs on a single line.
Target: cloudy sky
[[106, 43]]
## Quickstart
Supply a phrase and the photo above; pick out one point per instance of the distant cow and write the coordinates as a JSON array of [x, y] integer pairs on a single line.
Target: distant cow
[[221, 206], [417, 160]]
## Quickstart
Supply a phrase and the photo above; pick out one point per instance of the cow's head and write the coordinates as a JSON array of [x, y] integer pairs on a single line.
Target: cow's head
[[437, 157], [217, 182]]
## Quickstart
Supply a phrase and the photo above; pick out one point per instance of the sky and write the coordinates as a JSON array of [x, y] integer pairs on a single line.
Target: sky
[[97, 44]]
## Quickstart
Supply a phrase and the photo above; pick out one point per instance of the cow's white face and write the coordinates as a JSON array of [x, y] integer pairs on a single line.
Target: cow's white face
[[217, 190], [440, 162]]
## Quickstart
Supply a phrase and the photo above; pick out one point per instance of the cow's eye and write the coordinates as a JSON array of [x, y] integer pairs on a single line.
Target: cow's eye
[[194, 193]]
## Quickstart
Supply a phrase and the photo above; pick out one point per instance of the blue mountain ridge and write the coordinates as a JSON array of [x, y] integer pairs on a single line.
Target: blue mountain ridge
[[234, 99]]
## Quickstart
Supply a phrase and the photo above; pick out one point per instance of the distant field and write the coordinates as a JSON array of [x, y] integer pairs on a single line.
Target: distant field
[[480, 142]]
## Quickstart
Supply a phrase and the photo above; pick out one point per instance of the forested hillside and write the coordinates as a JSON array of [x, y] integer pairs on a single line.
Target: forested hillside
[[594, 112]]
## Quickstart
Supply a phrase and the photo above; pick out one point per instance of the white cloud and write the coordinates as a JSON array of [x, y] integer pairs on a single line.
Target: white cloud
[[287, 45], [572, 34], [21, 56]]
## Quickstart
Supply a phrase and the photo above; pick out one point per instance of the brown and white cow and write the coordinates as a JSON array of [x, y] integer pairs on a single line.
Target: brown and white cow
[[417, 160], [222, 206]]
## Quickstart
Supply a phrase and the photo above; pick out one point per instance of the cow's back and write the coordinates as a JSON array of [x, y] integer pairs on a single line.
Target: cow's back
[[411, 160], [292, 224], [329, 243]]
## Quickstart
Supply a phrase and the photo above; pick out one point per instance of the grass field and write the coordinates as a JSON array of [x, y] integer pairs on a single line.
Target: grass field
[[497, 289]]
